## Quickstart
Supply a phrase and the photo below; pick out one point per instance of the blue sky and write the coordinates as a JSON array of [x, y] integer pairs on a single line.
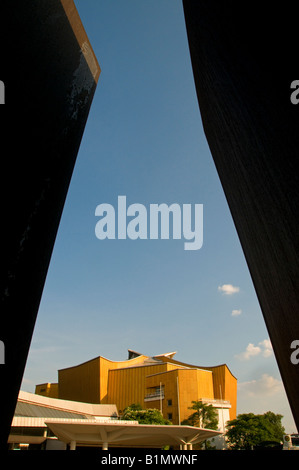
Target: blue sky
[[144, 139]]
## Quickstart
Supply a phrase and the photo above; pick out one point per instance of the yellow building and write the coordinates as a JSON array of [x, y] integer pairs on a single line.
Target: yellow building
[[153, 382], [47, 390]]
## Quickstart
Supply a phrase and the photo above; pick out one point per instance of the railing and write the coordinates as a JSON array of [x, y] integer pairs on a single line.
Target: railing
[[214, 401], [154, 395]]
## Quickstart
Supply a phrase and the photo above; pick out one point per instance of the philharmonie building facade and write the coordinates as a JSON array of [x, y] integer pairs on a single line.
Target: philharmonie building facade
[[153, 382], [85, 407]]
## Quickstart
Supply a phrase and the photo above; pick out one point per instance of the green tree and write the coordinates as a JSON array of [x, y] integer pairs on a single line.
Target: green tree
[[249, 430], [204, 416], [135, 412]]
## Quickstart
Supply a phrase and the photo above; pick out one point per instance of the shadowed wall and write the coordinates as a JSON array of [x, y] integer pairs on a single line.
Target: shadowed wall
[[244, 60], [50, 75]]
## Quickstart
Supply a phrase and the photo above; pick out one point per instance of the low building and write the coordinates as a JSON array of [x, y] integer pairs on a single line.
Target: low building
[[43, 423]]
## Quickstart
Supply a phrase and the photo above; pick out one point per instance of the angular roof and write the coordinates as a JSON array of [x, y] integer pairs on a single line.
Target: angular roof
[[40, 406], [132, 354]]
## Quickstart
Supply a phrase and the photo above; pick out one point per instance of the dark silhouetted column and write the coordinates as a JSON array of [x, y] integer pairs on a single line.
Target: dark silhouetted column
[[244, 60], [50, 74]]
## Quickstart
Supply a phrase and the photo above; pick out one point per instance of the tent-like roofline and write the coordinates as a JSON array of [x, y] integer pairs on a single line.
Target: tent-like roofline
[[167, 356], [116, 434]]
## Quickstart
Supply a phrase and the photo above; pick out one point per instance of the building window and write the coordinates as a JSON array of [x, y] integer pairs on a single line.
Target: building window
[[154, 393], [169, 402], [169, 416]]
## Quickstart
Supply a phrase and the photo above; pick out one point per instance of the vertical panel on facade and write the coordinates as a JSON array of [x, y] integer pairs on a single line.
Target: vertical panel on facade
[[80, 383]]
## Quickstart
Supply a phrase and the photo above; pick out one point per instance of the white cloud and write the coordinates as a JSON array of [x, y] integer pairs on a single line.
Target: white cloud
[[228, 289], [268, 350], [265, 386], [250, 351], [264, 348], [236, 313]]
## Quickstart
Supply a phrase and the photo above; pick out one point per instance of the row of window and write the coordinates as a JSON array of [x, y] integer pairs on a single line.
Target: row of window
[[169, 415]]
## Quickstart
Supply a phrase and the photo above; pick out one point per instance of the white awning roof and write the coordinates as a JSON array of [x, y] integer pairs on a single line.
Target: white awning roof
[[91, 433]]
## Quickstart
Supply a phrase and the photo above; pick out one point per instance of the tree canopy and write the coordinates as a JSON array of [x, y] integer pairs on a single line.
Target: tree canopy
[[249, 430], [135, 412], [204, 416]]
